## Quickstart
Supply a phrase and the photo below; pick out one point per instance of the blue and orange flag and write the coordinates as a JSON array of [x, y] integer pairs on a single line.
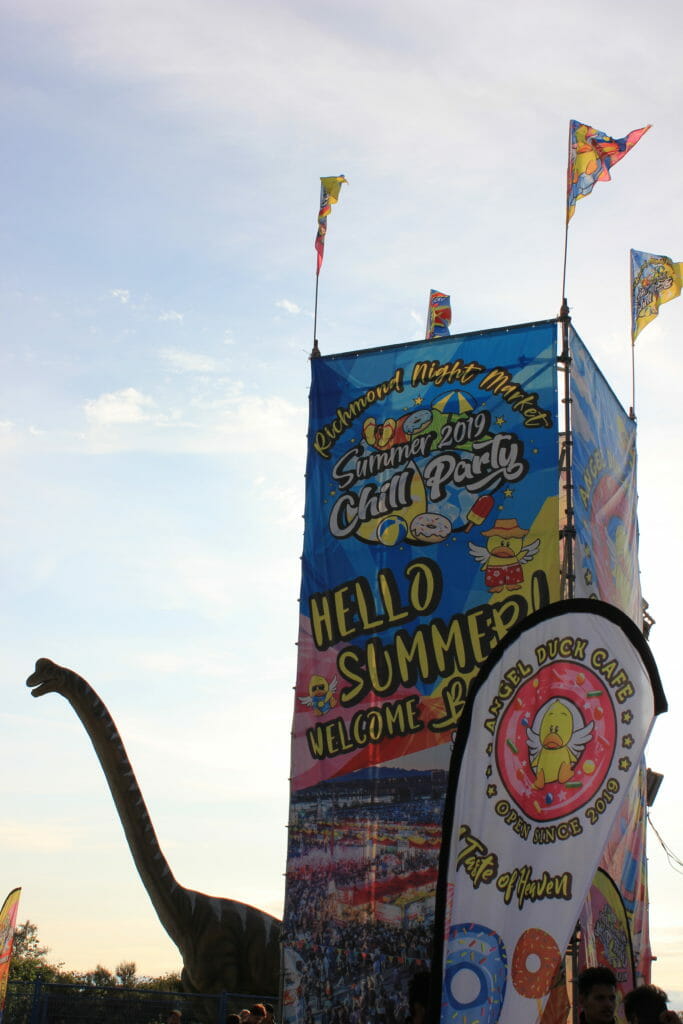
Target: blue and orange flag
[[592, 154], [8, 921], [654, 280], [329, 195], [438, 315]]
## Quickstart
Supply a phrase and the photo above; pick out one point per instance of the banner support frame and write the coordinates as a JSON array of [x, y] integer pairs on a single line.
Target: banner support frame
[[568, 532]]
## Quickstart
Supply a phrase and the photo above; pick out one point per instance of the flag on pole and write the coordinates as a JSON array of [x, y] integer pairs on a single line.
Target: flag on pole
[[329, 195], [438, 315], [592, 154], [654, 280], [8, 921]]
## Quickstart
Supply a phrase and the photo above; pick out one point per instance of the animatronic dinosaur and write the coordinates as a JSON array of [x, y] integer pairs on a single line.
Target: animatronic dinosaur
[[226, 946]]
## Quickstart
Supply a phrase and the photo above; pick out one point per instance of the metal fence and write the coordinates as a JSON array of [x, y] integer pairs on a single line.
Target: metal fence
[[53, 1003]]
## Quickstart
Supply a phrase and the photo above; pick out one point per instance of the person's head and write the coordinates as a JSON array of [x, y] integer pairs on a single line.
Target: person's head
[[174, 1017], [418, 996], [270, 1013], [645, 1004], [257, 1014], [597, 994]]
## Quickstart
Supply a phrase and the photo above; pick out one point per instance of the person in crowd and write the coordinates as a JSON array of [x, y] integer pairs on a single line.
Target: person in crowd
[[174, 1017], [257, 1014], [418, 997], [647, 1005], [597, 991]]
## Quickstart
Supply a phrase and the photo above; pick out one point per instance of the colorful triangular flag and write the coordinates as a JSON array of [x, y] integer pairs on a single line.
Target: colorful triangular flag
[[592, 154]]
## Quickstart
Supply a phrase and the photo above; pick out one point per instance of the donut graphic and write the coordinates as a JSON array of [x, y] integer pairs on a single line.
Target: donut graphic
[[475, 974]]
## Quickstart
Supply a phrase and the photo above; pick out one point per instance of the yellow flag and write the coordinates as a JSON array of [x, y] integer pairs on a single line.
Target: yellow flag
[[654, 280]]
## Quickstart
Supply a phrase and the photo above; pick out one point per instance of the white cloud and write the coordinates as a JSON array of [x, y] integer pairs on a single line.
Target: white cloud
[[126, 406], [183, 361], [290, 307], [171, 314], [122, 294]]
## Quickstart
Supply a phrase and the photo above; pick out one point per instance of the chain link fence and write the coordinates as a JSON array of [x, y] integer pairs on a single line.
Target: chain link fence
[[53, 1003]]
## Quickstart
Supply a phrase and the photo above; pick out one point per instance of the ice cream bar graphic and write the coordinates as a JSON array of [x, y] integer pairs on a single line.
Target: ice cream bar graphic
[[479, 511]]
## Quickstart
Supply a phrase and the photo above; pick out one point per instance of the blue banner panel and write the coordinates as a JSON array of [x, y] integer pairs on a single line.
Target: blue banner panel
[[431, 529], [605, 495]]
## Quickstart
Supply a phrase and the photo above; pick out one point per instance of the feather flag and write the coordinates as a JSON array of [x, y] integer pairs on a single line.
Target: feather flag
[[438, 315], [329, 195], [592, 154], [8, 920], [654, 280]]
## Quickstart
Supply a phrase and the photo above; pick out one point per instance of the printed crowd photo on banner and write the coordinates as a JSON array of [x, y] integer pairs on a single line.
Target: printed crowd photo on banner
[[547, 752], [431, 530]]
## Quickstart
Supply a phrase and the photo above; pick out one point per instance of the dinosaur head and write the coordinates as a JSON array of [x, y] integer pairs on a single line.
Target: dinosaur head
[[47, 678]]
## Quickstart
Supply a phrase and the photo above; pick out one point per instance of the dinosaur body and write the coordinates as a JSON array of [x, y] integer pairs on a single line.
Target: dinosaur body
[[226, 946]]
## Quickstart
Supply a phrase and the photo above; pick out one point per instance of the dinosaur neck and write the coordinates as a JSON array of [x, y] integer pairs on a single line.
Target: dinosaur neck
[[167, 896]]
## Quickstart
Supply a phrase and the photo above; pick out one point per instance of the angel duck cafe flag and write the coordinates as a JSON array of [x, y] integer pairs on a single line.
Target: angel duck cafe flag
[[329, 195], [551, 737], [438, 315], [654, 280], [591, 156], [8, 921]]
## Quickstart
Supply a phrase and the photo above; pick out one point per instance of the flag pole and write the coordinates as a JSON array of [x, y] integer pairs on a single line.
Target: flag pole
[[632, 410], [568, 532], [566, 219], [316, 351]]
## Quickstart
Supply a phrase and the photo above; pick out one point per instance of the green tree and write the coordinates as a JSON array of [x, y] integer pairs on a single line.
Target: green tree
[[125, 974], [29, 958]]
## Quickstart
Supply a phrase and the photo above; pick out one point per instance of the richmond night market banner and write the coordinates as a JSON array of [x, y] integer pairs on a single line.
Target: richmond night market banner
[[545, 753], [431, 530]]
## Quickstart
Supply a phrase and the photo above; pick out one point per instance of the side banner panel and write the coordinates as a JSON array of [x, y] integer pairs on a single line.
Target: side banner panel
[[605, 496], [547, 750], [8, 922], [431, 528], [607, 567], [606, 934], [625, 860]]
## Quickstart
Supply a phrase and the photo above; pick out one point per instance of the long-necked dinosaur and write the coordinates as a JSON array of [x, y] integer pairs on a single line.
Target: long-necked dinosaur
[[226, 946]]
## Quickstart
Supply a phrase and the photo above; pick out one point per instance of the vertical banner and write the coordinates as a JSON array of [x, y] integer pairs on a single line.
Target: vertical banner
[[8, 922], [625, 861], [431, 529], [605, 495], [607, 567], [546, 751], [606, 933]]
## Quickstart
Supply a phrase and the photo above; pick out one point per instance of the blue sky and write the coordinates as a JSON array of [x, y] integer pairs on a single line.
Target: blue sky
[[160, 193]]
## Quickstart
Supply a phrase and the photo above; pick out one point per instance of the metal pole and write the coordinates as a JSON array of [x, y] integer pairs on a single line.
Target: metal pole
[[316, 350], [568, 532]]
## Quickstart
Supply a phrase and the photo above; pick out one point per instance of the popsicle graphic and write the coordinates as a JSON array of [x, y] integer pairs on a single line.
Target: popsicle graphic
[[478, 513]]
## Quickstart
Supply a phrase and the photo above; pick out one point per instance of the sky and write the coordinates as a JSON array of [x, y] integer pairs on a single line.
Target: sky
[[160, 184]]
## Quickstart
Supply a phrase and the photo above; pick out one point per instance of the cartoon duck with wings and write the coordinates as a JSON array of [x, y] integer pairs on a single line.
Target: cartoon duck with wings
[[505, 553], [321, 698], [556, 741]]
